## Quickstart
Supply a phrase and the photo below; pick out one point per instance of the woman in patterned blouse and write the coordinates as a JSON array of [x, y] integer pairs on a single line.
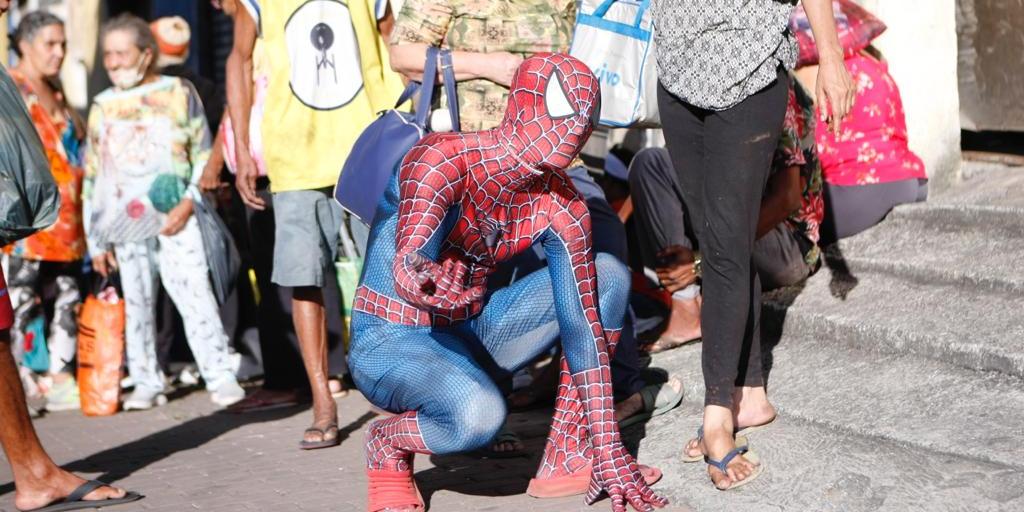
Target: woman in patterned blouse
[[147, 145], [721, 67], [55, 254]]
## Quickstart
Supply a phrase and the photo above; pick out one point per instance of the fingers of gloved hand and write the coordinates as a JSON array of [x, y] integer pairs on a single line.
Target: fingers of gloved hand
[[636, 500], [471, 295], [593, 492], [654, 499], [617, 498]]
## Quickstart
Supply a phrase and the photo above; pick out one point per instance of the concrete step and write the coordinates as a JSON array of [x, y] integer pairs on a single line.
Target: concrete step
[[954, 218], [933, 245], [965, 327], [902, 399], [810, 466], [986, 183]]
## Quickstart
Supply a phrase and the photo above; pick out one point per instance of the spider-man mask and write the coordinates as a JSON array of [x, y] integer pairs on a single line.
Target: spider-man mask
[[553, 107]]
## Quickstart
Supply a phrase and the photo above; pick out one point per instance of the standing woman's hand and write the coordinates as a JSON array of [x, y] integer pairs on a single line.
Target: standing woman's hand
[[835, 91]]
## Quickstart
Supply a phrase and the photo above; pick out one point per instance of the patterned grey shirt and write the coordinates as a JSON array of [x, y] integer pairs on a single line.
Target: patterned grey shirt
[[714, 54]]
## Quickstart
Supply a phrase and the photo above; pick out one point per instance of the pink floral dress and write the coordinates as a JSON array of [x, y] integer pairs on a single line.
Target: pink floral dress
[[872, 146]]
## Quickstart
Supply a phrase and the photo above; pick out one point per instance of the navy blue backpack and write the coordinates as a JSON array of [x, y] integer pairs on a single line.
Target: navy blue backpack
[[379, 150]]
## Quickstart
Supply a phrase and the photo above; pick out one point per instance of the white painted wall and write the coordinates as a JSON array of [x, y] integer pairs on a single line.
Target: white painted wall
[[921, 47]]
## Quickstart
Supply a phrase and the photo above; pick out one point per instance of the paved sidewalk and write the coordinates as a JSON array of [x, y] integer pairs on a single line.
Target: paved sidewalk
[[186, 457]]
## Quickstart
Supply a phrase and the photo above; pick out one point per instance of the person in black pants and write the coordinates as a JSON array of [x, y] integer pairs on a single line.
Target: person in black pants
[[785, 251], [722, 98]]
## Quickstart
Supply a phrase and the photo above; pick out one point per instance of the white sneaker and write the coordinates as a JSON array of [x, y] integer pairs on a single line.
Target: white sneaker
[[28, 381], [189, 376], [227, 394], [142, 399], [63, 396]]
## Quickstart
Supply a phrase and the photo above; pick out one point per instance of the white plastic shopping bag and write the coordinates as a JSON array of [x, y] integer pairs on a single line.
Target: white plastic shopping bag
[[615, 38]]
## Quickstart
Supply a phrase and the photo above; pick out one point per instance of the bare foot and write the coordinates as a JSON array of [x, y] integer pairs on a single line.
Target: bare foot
[[508, 445], [683, 326], [718, 442], [54, 484], [337, 387], [635, 404], [751, 407], [325, 415]]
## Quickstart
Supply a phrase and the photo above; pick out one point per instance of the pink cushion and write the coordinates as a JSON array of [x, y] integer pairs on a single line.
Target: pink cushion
[[856, 26]]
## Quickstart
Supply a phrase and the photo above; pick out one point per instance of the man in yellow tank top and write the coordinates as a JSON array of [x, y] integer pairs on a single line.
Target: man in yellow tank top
[[329, 75]]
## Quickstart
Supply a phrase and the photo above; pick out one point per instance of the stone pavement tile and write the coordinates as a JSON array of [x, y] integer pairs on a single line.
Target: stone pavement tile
[[187, 457]]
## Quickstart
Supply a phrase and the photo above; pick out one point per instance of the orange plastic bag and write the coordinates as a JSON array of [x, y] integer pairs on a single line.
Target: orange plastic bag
[[100, 353]]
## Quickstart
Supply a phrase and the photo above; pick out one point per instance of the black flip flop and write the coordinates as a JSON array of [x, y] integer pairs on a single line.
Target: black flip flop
[[75, 501], [326, 443], [504, 436]]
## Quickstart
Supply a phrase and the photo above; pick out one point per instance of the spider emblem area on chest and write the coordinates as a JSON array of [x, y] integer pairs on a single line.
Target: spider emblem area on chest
[[492, 230]]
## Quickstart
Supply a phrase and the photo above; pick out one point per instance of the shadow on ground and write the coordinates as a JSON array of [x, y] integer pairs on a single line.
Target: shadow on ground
[[122, 461], [474, 475]]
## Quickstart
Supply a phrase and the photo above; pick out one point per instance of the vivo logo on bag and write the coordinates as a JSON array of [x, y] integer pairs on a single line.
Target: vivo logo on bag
[[607, 76]]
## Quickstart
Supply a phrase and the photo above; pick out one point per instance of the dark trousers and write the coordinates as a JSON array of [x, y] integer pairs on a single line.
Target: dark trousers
[[282, 359], [723, 160], [609, 236], [662, 221]]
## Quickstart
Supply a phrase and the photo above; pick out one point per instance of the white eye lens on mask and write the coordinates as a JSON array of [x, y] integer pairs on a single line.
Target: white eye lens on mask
[[555, 99]]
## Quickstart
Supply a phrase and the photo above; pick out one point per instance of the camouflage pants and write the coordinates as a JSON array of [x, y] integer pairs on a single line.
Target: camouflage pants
[[25, 282]]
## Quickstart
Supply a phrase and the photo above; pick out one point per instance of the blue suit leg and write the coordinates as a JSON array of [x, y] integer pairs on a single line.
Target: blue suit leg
[[432, 373]]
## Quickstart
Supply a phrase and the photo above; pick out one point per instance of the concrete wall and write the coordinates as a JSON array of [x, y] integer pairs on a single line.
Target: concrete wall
[[991, 64], [921, 47]]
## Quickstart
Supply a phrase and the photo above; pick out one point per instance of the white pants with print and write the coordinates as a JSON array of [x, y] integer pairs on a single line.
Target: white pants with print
[[180, 263]]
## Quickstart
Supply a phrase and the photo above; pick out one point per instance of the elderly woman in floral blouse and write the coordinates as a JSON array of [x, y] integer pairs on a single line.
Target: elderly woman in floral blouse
[[54, 254], [148, 143]]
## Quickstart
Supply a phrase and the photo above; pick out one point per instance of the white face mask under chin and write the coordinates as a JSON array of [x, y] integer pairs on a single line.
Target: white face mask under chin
[[127, 78]]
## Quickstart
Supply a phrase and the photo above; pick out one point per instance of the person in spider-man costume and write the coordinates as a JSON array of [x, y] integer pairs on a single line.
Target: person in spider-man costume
[[425, 337]]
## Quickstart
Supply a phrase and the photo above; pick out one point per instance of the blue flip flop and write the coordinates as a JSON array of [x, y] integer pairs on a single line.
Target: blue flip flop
[[740, 441], [723, 465]]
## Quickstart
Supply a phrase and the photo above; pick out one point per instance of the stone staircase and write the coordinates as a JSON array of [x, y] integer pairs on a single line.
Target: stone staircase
[[898, 372]]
